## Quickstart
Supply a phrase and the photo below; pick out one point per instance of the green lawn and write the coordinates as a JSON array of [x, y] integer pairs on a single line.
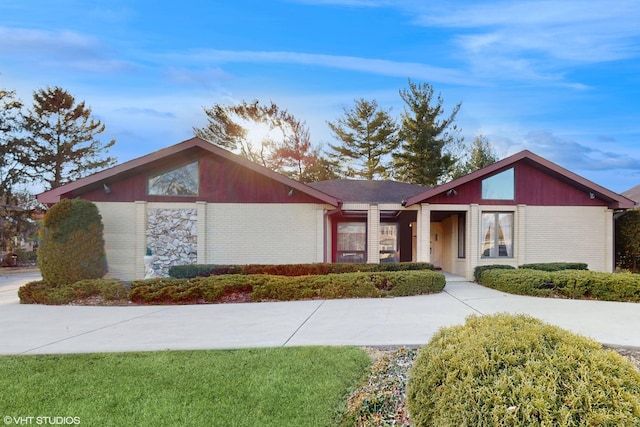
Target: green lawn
[[303, 386]]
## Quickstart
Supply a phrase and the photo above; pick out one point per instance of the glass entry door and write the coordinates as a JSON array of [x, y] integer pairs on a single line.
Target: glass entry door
[[352, 242], [389, 242]]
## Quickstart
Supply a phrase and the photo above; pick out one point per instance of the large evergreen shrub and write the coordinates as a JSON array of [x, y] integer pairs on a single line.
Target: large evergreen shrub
[[506, 370], [72, 244]]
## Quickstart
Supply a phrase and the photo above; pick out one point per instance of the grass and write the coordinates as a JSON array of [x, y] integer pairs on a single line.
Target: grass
[[301, 386]]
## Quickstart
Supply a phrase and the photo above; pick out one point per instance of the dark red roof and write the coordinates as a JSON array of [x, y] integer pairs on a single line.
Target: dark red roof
[[368, 191]]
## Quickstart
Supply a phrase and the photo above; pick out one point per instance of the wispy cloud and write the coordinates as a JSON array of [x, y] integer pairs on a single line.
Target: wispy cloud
[[366, 65], [60, 49], [149, 112], [576, 155], [538, 40], [208, 78]]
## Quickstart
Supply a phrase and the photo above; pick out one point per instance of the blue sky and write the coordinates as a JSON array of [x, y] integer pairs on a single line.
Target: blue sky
[[560, 78]]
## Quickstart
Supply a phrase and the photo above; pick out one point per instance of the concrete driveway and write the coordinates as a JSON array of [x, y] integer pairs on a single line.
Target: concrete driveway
[[37, 329]]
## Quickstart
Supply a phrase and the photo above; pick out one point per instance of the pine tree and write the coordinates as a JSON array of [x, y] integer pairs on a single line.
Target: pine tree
[[480, 156], [12, 167], [61, 136], [425, 156], [368, 135], [628, 240]]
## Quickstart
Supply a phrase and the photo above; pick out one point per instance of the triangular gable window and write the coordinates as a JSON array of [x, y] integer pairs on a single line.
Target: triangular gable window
[[499, 187], [182, 181]]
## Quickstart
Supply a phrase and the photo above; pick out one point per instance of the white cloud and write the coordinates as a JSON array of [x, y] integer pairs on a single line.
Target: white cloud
[[574, 155], [366, 65], [59, 50], [537, 40], [208, 78]]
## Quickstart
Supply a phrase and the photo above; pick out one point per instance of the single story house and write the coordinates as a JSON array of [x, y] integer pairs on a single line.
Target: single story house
[[195, 202]]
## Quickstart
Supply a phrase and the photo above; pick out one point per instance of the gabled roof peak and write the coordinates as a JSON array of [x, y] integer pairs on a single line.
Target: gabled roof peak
[[616, 201], [54, 195]]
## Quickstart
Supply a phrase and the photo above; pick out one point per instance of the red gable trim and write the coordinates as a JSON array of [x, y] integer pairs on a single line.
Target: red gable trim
[[54, 196], [614, 200]]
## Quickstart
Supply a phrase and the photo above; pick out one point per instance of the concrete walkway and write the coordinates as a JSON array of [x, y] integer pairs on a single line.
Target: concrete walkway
[[37, 329]]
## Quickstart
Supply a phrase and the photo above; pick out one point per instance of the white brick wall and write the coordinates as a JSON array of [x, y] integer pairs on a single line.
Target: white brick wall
[[227, 234], [264, 233], [568, 234], [119, 221]]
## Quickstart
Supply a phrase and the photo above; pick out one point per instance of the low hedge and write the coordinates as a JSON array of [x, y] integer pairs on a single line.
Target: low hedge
[[521, 282], [262, 287], [555, 266], [578, 284], [505, 370], [40, 292], [477, 272], [204, 270]]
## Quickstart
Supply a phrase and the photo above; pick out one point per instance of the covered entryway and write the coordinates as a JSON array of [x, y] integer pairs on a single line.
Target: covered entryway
[[373, 235]]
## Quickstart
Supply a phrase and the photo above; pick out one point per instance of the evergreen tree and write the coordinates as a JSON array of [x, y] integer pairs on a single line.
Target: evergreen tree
[[628, 240], [61, 136], [321, 169], [12, 159], [425, 156], [480, 156], [368, 136]]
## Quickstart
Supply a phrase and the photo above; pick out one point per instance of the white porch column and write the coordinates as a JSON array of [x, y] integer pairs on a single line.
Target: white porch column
[[424, 233], [321, 236], [473, 234], [373, 234], [520, 240], [609, 253], [140, 238], [201, 208]]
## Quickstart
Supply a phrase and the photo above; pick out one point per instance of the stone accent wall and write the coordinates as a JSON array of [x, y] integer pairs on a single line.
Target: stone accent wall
[[172, 236]]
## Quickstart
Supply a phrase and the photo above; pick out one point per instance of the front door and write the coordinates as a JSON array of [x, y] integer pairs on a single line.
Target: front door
[[436, 244]]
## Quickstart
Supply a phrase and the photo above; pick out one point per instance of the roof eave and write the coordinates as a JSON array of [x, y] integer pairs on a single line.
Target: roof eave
[[54, 195]]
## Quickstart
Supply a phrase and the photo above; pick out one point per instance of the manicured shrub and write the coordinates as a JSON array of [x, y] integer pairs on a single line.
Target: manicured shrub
[[602, 286], [521, 282], [41, 292], [204, 270], [505, 370], [565, 283], [192, 291], [190, 270], [555, 266], [477, 272], [262, 287], [72, 244], [33, 292]]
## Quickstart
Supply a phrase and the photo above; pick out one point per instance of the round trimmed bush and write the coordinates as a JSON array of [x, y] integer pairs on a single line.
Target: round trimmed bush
[[72, 244], [506, 370]]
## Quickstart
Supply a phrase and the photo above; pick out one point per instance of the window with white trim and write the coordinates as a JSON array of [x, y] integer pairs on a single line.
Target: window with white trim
[[497, 235]]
